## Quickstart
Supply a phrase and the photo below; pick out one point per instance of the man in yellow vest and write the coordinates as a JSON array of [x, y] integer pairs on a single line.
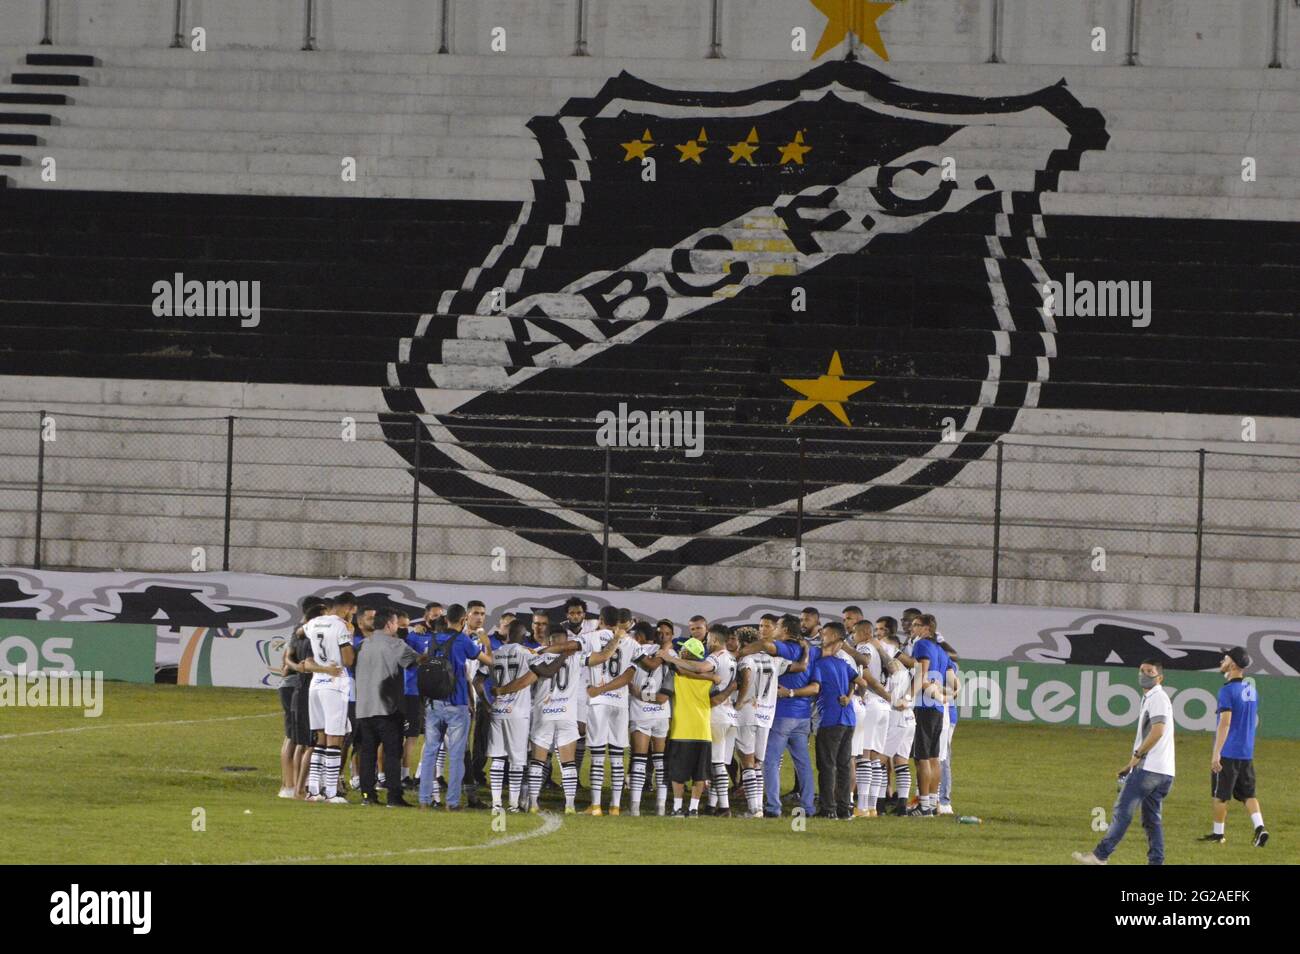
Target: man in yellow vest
[[690, 734]]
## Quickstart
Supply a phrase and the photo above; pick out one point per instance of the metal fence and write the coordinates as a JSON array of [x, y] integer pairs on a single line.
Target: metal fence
[[1019, 521]]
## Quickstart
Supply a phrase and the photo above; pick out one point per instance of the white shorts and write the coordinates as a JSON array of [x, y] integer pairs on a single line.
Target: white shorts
[[902, 730], [553, 735], [509, 740], [724, 742], [876, 720], [654, 728], [859, 743], [328, 709], [752, 740], [945, 741], [606, 725]]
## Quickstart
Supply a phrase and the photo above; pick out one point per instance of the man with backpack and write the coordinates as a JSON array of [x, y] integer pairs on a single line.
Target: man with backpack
[[444, 686]]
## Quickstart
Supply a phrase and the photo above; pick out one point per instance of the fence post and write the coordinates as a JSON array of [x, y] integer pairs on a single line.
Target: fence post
[[715, 30], [1134, 17], [604, 545], [309, 42], [178, 38], [47, 25], [997, 520], [40, 486], [581, 48], [798, 523], [1200, 525], [415, 493], [995, 41], [1276, 62], [230, 480], [445, 28]]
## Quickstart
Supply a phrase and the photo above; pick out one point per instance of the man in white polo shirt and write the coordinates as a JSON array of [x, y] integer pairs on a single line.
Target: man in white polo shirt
[[1149, 774]]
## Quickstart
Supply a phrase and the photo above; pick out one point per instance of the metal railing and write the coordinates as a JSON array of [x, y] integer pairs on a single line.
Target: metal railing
[[1188, 526]]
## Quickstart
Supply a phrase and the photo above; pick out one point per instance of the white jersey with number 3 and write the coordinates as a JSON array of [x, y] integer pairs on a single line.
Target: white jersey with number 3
[[328, 635]]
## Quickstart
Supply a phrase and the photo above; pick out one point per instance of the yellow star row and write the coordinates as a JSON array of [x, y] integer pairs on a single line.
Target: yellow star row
[[691, 151]]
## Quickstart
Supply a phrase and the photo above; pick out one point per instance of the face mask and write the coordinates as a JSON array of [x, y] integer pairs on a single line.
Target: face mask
[[1145, 681]]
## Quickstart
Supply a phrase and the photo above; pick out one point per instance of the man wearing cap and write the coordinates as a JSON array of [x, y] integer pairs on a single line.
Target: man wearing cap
[[1149, 774], [1232, 769], [690, 735]]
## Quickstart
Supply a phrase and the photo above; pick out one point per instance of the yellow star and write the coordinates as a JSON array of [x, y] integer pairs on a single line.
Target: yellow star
[[830, 391], [637, 148], [794, 151], [693, 150], [852, 16], [745, 150]]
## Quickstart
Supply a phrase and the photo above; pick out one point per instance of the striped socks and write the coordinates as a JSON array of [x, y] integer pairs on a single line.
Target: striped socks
[[661, 782], [497, 780], [879, 784], [535, 770], [516, 784], [569, 776], [863, 774], [720, 793], [749, 778], [903, 782], [639, 764], [315, 769], [333, 761], [597, 775], [615, 776]]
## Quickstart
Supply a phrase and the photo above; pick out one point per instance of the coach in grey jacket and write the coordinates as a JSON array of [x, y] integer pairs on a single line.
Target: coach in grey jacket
[[380, 718]]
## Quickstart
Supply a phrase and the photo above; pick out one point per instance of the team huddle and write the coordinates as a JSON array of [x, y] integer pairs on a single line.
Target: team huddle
[[707, 714]]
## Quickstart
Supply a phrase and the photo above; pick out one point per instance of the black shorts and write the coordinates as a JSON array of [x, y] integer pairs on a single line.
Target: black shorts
[[413, 713], [302, 706], [929, 730], [287, 694], [687, 760], [1236, 780]]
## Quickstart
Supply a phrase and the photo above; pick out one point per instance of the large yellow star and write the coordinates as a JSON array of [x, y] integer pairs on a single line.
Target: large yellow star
[[830, 391], [852, 16], [745, 150], [693, 150], [637, 148], [794, 151]]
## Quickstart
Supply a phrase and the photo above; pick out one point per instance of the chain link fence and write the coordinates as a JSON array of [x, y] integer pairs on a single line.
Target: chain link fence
[[1016, 521]]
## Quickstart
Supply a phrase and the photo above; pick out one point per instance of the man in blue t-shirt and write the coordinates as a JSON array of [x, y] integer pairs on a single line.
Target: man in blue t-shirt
[[448, 719], [929, 674], [412, 708], [793, 715], [1232, 767], [834, 681]]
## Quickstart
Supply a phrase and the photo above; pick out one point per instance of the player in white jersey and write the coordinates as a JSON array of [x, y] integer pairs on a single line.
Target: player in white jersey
[[511, 715], [902, 721], [330, 638], [610, 672], [722, 719], [650, 712], [554, 678], [756, 709], [577, 626], [873, 719]]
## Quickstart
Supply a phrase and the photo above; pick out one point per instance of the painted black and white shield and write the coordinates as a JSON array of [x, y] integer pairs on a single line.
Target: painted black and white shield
[[902, 218]]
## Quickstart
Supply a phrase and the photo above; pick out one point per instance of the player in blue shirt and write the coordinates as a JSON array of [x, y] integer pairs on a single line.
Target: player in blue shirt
[[413, 710], [835, 681], [930, 672], [1232, 767]]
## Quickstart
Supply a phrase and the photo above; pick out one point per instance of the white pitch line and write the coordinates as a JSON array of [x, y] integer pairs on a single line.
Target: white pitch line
[[551, 823], [135, 725]]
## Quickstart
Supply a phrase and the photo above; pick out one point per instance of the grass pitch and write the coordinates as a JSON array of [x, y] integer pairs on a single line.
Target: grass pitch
[[123, 788]]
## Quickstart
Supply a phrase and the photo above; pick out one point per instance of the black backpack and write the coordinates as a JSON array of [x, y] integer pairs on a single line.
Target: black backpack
[[436, 678]]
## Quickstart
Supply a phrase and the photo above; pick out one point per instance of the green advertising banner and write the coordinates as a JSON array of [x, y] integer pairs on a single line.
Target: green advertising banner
[[118, 650], [1109, 696]]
